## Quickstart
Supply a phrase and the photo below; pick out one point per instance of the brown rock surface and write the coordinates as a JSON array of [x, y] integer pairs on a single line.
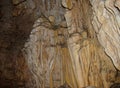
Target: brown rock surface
[[59, 43]]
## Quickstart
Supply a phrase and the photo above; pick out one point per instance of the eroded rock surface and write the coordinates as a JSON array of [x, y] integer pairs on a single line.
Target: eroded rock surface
[[47, 55], [88, 58], [59, 43], [106, 22]]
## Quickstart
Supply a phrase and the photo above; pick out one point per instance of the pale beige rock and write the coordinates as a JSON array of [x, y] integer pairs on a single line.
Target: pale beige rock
[[117, 4], [90, 63], [71, 53], [46, 54], [52, 19], [67, 4], [84, 34], [109, 33], [90, 87], [63, 24]]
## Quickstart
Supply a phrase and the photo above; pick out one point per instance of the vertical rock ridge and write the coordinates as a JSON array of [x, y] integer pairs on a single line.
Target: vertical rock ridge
[[71, 44], [88, 60], [106, 16], [47, 55]]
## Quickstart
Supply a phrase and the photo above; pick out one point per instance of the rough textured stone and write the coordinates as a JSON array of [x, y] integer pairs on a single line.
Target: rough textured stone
[[14, 31], [106, 23], [67, 4], [88, 59], [66, 43], [46, 53]]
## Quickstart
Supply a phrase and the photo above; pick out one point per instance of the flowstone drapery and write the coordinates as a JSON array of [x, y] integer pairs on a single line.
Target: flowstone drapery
[[74, 52], [47, 55]]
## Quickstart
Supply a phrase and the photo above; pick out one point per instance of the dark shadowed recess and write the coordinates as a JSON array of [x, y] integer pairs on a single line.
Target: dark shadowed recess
[[14, 31]]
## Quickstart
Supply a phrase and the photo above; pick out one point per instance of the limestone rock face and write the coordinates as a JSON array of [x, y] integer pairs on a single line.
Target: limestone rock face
[[47, 55], [46, 8], [59, 43], [14, 30], [48, 45], [106, 21], [16, 20], [87, 55]]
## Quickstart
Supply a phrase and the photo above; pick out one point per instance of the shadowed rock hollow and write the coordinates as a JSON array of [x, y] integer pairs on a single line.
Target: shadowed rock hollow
[[59, 43]]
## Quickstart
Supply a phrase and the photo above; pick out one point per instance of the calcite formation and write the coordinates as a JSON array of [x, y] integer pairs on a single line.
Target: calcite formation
[[59, 43], [106, 22], [47, 55], [86, 46]]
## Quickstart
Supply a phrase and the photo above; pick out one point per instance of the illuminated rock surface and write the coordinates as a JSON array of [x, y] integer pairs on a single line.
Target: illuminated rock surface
[[59, 43]]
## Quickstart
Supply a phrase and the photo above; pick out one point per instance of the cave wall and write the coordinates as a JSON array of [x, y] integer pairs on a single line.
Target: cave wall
[[14, 30], [90, 65], [88, 58], [106, 21], [47, 55], [59, 43], [16, 21]]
